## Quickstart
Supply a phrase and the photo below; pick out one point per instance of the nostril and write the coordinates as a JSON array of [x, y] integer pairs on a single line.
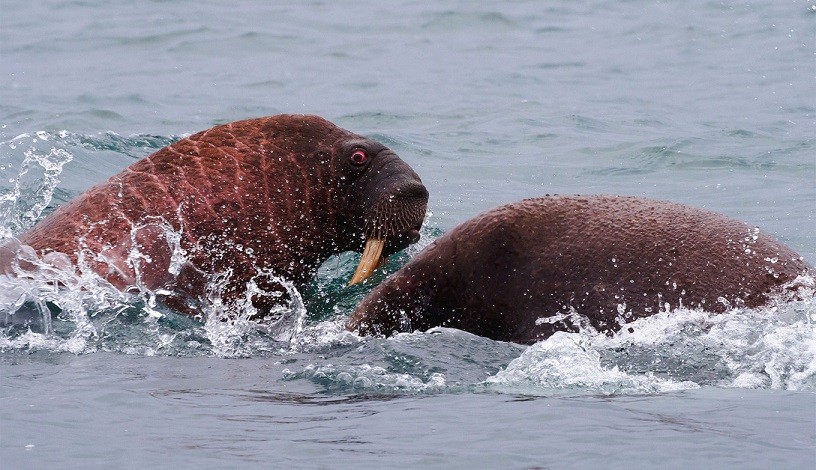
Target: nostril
[[411, 191]]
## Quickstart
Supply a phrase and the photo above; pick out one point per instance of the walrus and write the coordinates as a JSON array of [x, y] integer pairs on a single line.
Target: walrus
[[523, 271], [257, 200]]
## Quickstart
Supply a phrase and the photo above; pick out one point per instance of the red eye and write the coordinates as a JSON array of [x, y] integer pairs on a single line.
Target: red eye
[[359, 158]]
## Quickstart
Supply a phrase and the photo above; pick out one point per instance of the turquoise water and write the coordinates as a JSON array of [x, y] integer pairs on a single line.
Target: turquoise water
[[705, 103]]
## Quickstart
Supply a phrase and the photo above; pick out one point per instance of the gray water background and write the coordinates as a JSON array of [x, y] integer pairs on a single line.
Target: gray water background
[[711, 104]]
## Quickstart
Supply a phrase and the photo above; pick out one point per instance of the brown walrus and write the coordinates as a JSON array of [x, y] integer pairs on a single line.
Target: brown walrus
[[251, 200], [522, 271]]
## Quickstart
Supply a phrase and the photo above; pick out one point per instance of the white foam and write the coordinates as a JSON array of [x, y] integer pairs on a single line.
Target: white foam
[[368, 378], [771, 347], [571, 361]]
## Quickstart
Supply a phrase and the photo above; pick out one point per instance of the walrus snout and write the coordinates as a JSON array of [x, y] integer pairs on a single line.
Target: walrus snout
[[401, 211], [395, 215], [398, 218], [393, 201]]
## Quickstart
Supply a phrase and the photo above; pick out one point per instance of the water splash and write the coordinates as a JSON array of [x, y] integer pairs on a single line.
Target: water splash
[[34, 289], [237, 329], [46, 303], [92, 314], [771, 347], [32, 165], [33, 186], [573, 362], [368, 378]]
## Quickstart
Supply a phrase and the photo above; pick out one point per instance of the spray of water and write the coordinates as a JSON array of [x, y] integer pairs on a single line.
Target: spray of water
[[33, 186], [769, 347]]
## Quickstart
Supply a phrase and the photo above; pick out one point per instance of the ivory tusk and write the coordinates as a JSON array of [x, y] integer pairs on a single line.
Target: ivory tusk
[[369, 261]]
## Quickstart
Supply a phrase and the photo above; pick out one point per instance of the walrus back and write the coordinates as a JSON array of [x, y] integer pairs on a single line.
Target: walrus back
[[523, 271], [629, 254], [106, 221]]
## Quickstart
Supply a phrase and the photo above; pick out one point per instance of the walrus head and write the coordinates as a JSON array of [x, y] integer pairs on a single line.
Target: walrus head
[[377, 202], [386, 201]]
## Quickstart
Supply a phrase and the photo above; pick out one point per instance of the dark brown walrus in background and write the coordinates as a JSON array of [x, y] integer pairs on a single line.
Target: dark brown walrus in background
[[254, 198], [516, 272]]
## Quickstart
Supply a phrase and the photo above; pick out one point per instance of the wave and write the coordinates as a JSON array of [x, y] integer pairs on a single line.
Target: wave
[[771, 347]]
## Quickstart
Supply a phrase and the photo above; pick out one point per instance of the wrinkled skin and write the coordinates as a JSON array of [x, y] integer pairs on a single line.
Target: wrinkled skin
[[513, 273], [275, 195]]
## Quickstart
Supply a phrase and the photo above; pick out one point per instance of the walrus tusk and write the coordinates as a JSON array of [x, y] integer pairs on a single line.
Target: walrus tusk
[[369, 261]]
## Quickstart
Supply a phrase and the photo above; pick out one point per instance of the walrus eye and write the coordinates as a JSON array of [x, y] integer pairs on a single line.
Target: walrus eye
[[358, 158]]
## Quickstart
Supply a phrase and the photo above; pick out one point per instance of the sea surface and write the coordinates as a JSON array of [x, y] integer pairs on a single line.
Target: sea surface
[[707, 103]]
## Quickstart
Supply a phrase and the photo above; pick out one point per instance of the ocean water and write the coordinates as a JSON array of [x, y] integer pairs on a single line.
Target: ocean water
[[706, 103]]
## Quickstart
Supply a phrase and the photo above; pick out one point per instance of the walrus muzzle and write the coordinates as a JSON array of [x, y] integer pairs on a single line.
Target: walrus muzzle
[[397, 219]]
